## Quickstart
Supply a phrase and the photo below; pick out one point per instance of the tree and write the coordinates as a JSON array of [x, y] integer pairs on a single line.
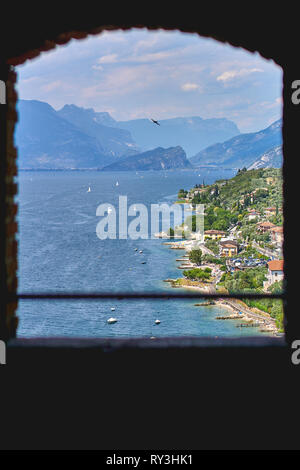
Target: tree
[[276, 288], [198, 274], [171, 232], [182, 193], [195, 256], [213, 246], [221, 224]]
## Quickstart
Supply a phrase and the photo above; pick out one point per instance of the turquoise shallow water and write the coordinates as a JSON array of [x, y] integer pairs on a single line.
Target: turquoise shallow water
[[59, 251]]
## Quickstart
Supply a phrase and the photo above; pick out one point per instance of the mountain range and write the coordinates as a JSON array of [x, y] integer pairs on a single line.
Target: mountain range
[[113, 141], [79, 138], [242, 150], [46, 141], [75, 137], [156, 159], [271, 159], [72, 137], [191, 133]]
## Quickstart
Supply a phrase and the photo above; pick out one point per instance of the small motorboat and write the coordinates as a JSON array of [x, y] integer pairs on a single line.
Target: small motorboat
[[89, 190], [112, 320], [117, 183], [141, 251], [113, 309], [157, 322], [135, 249], [143, 262]]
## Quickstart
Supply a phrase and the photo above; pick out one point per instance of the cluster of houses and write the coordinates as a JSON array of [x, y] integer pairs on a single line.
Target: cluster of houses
[[276, 232], [268, 212], [228, 246], [275, 266], [197, 190]]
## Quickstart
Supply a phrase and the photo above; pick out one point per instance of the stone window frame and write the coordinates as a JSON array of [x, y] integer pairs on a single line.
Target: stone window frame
[[8, 190]]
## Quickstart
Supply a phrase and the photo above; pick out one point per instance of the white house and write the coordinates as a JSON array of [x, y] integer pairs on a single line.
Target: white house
[[275, 272], [253, 215]]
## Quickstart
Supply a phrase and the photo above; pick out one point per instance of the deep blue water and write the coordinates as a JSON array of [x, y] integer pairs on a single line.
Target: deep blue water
[[60, 251]]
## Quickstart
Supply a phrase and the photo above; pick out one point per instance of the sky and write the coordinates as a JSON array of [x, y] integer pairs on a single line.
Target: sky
[[157, 74]]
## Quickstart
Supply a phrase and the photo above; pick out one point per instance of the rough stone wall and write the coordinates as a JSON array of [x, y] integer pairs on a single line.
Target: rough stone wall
[[10, 209], [42, 37]]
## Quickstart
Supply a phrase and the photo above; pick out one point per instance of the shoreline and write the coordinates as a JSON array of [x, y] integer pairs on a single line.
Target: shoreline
[[264, 321], [266, 325]]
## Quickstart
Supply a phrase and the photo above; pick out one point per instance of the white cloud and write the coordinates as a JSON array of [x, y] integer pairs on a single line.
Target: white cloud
[[109, 36], [146, 43], [125, 80], [97, 67], [231, 74], [154, 56], [107, 59], [189, 86], [138, 73], [277, 103], [30, 80], [52, 86]]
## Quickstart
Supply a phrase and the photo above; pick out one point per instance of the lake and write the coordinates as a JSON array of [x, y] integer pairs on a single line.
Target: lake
[[59, 251]]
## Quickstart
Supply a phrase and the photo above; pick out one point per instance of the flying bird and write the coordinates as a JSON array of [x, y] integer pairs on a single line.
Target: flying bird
[[155, 122]]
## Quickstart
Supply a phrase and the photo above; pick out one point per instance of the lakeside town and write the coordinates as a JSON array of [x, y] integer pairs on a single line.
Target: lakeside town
[[241, 249]]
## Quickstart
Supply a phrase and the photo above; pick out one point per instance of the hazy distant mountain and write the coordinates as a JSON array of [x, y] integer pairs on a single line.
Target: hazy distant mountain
[[104, 118], [191, 133], [113, 140], [156, 159], [270, 159], [75, 137], [72, 137], [242, 150], [45, 140]]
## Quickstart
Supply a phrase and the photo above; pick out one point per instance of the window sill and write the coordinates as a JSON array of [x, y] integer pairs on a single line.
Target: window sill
[[113, 344]]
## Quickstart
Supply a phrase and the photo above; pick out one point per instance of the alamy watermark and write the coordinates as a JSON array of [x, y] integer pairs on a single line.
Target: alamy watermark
[[2, 92], [296, 354], [296, 94], [2, 352], [139, 221]]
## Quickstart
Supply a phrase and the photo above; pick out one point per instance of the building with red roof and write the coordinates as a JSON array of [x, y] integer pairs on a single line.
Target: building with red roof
[[275, 271]]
